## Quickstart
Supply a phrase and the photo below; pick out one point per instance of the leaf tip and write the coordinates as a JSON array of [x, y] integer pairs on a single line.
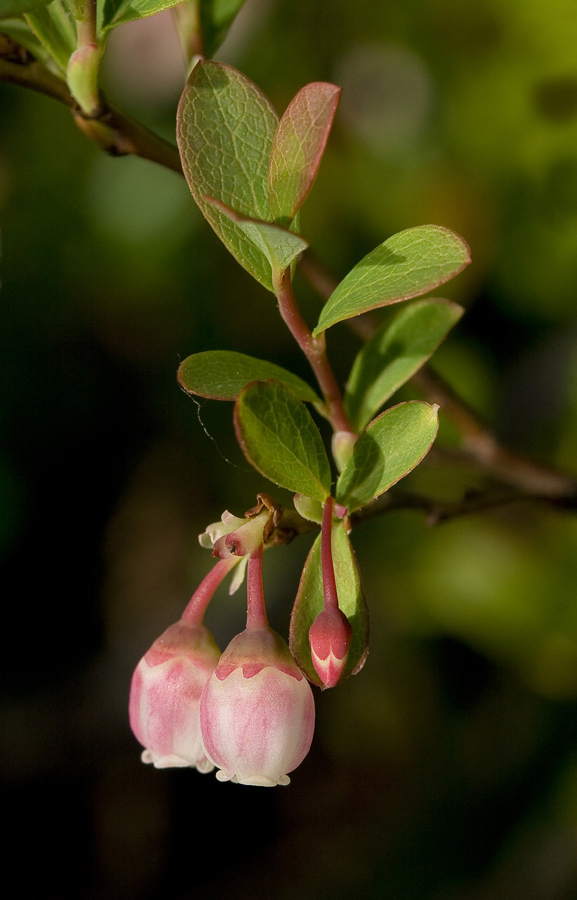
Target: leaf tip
[[464, 245]]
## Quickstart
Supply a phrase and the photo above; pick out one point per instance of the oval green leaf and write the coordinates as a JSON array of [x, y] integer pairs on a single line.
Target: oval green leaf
[[225, 128], [394, 353], [278, 436], [298, 147], [391, 446], [222, 374], [309, 603], [407, 265], [118, 12]]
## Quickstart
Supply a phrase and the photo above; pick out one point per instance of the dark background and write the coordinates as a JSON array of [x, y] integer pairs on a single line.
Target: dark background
[[446, 770]]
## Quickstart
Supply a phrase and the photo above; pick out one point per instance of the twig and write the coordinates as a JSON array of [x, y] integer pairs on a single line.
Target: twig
[[115, 132], [439, 511], [32, 74], [478, 442]]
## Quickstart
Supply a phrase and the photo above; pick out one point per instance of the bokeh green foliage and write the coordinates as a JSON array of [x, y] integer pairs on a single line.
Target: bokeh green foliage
[[458, 739]]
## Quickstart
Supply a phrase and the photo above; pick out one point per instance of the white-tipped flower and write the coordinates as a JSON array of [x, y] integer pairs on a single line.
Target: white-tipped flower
[[165, 696], [257, 711]]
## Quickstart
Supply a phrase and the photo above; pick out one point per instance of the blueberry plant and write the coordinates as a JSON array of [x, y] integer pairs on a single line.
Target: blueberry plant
[[250, 710]]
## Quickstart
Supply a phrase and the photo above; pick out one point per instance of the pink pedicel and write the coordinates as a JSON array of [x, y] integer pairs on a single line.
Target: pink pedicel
[[165, 696], [330, 638], [257, 712]]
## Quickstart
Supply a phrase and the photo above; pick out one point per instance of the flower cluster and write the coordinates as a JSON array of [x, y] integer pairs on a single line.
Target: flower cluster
[[249, 711]]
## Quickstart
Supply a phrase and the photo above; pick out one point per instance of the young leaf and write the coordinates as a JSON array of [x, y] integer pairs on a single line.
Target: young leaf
[[225, 127], [392, 445], [298, 146], [54, 28], [309, 603], [216, 17], [118, 12], [17, 7], [408, 264], [280, 246], [222, 374], [396, 350], [278, 436]]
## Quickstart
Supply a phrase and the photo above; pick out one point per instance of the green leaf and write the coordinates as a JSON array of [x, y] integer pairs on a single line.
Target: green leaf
[[309, 603], [216, 17], [392, 445], [222, 374], [54, 27], [298, 146], [280, 439], [280, 246], [225, 128], [17, 7], [408, 264], [118, 12], [394, 353]]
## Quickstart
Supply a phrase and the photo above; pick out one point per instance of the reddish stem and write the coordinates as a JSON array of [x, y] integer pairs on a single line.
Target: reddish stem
[[86, 24], [256, 610], [194, 612], [331, 596], [314, 350]]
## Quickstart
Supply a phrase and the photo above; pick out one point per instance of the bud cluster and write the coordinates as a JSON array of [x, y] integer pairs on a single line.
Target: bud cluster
[[249, 711]]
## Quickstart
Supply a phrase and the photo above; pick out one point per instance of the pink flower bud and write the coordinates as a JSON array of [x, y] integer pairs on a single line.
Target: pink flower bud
[[330, 638], [165, 696], [257, 711]]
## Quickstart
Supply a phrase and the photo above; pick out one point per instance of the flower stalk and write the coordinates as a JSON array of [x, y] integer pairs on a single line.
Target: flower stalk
[[196, 607], [256, 609]]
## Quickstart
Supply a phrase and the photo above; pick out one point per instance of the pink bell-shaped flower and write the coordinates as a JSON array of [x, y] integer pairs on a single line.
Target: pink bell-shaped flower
[[165, 696], [257, 710], [168, 682]]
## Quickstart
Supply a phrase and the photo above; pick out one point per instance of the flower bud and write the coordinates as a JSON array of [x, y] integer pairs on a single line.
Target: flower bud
[[257, 711], [330, 638], [165, 696]]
